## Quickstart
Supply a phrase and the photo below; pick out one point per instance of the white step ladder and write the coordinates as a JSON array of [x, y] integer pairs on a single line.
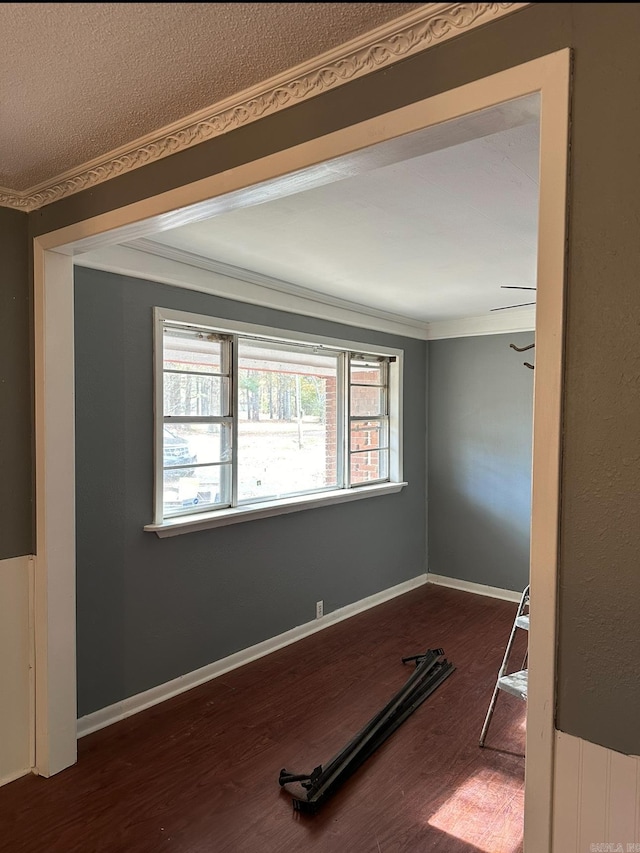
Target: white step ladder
[[514, 682]]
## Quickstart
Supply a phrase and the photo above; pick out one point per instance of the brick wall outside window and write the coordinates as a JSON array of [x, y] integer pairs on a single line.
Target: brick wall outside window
[[365, 466]]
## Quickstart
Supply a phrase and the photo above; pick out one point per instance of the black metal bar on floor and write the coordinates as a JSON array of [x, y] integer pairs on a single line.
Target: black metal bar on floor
[[429, 660], [429, 673]]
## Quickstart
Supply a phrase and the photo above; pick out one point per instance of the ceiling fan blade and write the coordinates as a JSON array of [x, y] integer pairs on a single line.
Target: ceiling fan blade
[[506, 307], [516, 287]]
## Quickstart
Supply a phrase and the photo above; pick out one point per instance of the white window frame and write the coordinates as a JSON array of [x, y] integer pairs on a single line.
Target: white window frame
[[203, 520]]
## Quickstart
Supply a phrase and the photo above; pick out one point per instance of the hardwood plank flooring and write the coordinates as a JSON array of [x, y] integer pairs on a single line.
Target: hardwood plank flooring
[[198, 774]]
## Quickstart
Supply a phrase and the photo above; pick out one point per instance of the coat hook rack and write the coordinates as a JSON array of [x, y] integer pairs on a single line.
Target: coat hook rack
[[524, 349]]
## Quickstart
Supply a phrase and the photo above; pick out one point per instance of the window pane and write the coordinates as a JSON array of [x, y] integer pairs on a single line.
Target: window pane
[[367, 401], [196, 489], [187, 349], [287, 420], [369, 465], [203, 443], [367, 372], [367, 435], [189, 395]]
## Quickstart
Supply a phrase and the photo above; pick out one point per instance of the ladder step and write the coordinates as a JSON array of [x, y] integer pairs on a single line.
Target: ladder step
[[515, 683]]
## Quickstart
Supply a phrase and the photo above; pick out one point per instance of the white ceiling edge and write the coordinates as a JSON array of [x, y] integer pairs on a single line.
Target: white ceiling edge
[[501, 323], [132, 262], [240, 274], [398, 39], [191, 272], [504, 323]]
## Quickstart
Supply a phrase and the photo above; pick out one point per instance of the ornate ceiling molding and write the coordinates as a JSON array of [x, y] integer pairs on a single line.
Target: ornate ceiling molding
[[17, 200], [398, 39]]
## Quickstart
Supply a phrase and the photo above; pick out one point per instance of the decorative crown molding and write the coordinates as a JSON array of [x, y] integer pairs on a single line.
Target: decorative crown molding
[[17, 200], [398, 39]]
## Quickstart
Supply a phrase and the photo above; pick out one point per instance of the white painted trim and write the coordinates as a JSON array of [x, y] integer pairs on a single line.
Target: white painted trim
[[284, 172], [475, 588], [402, 37], [54, 599], [224, 517], [547, 450], [227, 326], [133, 705], [548, 75], [499, 323]]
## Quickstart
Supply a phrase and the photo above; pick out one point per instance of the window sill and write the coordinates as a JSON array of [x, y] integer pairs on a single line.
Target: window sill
[[224, 517]]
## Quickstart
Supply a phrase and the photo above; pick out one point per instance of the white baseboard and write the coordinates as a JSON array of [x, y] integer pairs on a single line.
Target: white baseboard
[[477, 588], [127, 707]]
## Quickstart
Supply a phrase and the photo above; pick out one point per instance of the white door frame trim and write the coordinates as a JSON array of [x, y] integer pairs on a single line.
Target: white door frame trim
[[302, 166]]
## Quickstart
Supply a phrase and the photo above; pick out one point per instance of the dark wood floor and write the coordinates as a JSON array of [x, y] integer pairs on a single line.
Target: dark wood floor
[[198, 774]]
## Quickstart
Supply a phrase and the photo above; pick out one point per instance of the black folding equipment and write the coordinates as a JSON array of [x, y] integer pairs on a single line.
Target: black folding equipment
[[431, 670]]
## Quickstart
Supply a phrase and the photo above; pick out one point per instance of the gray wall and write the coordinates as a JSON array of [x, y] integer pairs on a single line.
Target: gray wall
[[599, 642], [480, 429], [16, 522], [151, 609]]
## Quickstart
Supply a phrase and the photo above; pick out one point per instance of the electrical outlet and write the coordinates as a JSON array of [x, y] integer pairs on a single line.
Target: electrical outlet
[[319, 609]]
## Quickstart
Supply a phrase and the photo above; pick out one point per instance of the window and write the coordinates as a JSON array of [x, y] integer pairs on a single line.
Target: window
[[250, 419]]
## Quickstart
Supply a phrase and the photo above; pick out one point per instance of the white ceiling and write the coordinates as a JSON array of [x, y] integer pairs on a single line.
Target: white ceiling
[[431, 238], [81, 79]]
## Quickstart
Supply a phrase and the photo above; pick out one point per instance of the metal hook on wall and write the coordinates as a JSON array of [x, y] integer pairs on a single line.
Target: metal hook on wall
[[524, 349]]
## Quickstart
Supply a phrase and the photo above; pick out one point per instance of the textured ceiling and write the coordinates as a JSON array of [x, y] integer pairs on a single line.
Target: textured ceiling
[[80, 79]]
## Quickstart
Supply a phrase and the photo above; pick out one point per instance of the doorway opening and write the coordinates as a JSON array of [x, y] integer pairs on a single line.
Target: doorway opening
[[277, 176]]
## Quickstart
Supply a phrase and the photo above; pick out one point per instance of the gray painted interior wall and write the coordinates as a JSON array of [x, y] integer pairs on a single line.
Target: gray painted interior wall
[[152, 609], [16, 522], [479, 451], [599, 582]]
